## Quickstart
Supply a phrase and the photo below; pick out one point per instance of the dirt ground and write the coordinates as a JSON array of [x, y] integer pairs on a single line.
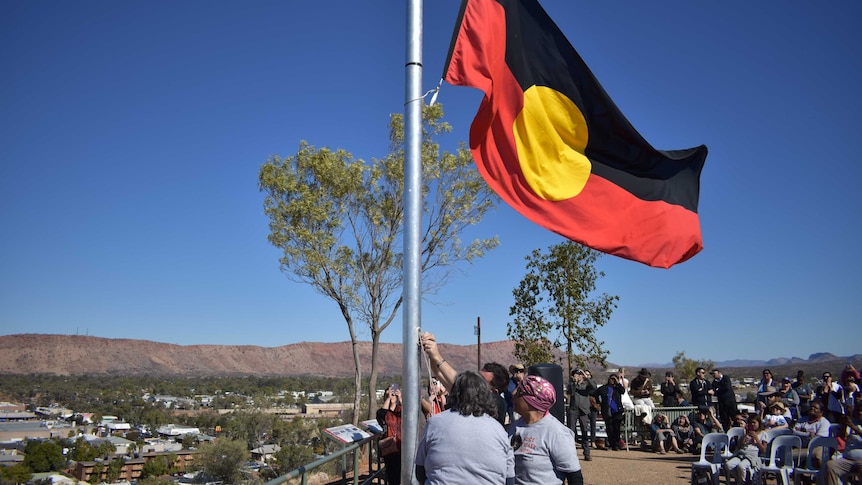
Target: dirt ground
[[637, 467]]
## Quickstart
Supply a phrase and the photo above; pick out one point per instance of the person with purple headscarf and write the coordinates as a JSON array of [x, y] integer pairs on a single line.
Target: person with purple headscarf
[[544, 448]]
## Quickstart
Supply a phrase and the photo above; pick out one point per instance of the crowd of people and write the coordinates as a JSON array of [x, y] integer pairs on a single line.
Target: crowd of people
[[496, 426]]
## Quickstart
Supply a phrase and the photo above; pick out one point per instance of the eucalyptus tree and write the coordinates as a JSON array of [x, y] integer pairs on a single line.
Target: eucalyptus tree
[[44, 456], [223, 459], [557, 306], [685, 368], [15, 474], [339, 224]]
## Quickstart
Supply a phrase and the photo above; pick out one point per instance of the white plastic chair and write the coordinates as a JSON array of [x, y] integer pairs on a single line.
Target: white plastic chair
[[776, 432], [770, 437], [719, 444], [829, 446], [783, 447], [733, 436]]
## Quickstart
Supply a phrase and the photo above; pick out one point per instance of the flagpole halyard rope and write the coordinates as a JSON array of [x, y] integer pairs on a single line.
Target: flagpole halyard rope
[[433, 98]]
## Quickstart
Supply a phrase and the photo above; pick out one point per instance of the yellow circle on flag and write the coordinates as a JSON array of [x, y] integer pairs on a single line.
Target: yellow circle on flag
[[551, 136]]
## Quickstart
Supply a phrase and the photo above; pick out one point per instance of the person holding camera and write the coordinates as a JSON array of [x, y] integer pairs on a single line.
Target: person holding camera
[[435, 403], [580, 390], [830, 394], [669, 390], [641, 393], [389, 418]]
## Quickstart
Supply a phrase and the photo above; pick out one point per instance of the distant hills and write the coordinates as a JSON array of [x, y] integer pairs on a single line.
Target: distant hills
[[78, 355], [820, 357]]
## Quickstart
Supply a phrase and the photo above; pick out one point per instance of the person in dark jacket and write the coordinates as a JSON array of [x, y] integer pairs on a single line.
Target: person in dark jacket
[[668, 391], [580, 390], [701, 391], [611, 403], [722, 388]]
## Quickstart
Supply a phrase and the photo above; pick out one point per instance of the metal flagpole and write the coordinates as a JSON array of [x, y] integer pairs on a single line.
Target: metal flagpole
[[412, 240]]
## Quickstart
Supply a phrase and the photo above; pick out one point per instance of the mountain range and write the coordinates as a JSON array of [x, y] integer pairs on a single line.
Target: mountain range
[[78, 355]]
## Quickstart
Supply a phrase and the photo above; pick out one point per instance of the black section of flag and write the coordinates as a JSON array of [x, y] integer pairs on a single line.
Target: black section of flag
[[538, 54]]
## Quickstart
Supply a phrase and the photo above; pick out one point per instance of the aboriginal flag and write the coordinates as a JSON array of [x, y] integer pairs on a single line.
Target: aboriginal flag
[[553, 145]]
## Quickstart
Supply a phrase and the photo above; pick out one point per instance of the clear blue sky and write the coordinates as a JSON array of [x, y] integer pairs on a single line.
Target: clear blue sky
[[131, 134]]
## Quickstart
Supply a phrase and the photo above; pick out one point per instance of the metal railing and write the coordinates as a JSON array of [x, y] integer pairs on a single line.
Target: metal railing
[[370, 442], [636, 432]]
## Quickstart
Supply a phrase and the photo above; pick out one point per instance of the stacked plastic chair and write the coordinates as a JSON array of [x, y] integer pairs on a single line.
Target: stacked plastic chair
[[711, 468]]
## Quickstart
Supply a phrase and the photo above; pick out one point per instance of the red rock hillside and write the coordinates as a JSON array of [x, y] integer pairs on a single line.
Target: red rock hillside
[[76, 354]]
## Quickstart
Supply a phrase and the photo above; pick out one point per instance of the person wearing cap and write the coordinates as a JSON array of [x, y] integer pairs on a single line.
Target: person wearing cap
[[465, 444], [790, 398], [544, 448], [580, 389], [803, 390]]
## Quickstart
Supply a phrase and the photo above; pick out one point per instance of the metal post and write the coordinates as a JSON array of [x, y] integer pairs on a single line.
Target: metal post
[[412, 239], [478, 344]]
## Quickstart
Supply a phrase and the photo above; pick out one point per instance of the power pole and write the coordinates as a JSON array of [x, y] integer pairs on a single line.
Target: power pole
[[478, 331]]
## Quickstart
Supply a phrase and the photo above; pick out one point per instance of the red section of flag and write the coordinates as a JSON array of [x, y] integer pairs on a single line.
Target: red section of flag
[[604, 216]]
